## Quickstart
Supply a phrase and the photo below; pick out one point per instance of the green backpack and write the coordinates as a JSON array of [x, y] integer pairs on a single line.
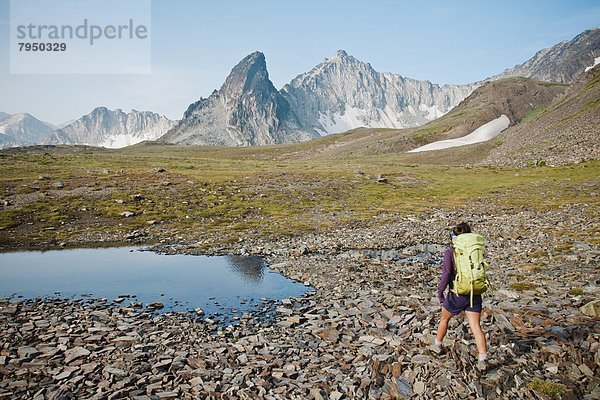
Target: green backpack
[[470, 267]]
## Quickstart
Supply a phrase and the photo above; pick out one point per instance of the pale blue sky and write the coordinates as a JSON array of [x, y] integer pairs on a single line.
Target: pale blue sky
[[196, 43]]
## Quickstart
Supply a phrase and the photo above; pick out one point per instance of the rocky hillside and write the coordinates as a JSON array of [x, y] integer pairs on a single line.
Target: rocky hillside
[[22, 130], [246, 111], [565, 131], [513, 97], [562, 62], [108, 128], [344, 93]]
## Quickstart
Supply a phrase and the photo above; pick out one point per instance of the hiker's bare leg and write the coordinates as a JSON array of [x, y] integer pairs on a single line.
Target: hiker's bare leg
[[443, 326], [474, 318]]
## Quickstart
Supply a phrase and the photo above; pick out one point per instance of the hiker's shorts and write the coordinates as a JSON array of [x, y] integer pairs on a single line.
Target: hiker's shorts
[[455, 303]]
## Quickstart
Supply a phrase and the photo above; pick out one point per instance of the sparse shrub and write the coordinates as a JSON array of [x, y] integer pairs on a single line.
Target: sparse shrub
[[548, 388], [576, 291], [522, 286], [538, 254], [531, 267]]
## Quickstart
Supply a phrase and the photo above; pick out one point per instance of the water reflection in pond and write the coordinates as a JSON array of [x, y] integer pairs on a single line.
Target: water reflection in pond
[[223, 286]]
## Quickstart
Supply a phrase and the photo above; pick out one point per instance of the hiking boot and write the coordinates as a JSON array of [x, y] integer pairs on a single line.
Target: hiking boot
[[482, 365], [437, 349]]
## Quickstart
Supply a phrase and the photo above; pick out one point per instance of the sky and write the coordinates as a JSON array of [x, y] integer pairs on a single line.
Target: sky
[[196, 43]]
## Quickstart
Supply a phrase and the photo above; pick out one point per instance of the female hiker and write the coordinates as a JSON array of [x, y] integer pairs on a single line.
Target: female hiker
[[453, 304]]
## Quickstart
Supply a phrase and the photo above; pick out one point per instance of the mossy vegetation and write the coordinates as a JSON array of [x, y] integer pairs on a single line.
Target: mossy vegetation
[[576, 291], [534, 113], [551, 389], [268, 191]]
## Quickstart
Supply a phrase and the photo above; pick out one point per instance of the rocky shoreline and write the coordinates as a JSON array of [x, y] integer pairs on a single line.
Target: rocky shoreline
[[365, 333]]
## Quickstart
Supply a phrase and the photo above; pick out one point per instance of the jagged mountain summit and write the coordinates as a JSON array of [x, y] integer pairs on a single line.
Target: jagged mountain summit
[[246, 111], [112, 128], [561, 62], [343, 93], [22, 129]]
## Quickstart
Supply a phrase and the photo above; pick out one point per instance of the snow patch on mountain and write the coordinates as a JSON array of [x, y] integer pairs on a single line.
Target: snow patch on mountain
[[484, 133], [351, 118], [117, 141], [596, 62]]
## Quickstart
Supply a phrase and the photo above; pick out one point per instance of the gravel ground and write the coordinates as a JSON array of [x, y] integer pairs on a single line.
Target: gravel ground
[[364, 333]]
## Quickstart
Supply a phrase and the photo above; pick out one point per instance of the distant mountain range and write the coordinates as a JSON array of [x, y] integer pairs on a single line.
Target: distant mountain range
[[101, 127], [343, 93], [112, 128], [339, 94], [22, 130]]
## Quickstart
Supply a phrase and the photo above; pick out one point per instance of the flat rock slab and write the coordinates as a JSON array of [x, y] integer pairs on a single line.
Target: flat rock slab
[[75, 353]]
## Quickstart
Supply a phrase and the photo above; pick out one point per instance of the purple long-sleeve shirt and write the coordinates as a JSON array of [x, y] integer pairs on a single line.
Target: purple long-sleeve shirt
[[448, 272]]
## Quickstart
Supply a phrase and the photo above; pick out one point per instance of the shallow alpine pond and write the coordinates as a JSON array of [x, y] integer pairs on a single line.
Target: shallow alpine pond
[[223, 287]]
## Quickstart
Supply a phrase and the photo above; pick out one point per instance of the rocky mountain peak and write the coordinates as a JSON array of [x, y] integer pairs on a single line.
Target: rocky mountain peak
[[99, 110], [246, 111], [341, 55], [249, 75], [18, 117], [341, 65], [343, 58], [343, 93]]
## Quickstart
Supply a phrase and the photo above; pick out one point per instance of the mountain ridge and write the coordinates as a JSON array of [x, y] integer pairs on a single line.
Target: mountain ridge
[[561, 62], [343, 93], [112, 128], [513, 97]]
